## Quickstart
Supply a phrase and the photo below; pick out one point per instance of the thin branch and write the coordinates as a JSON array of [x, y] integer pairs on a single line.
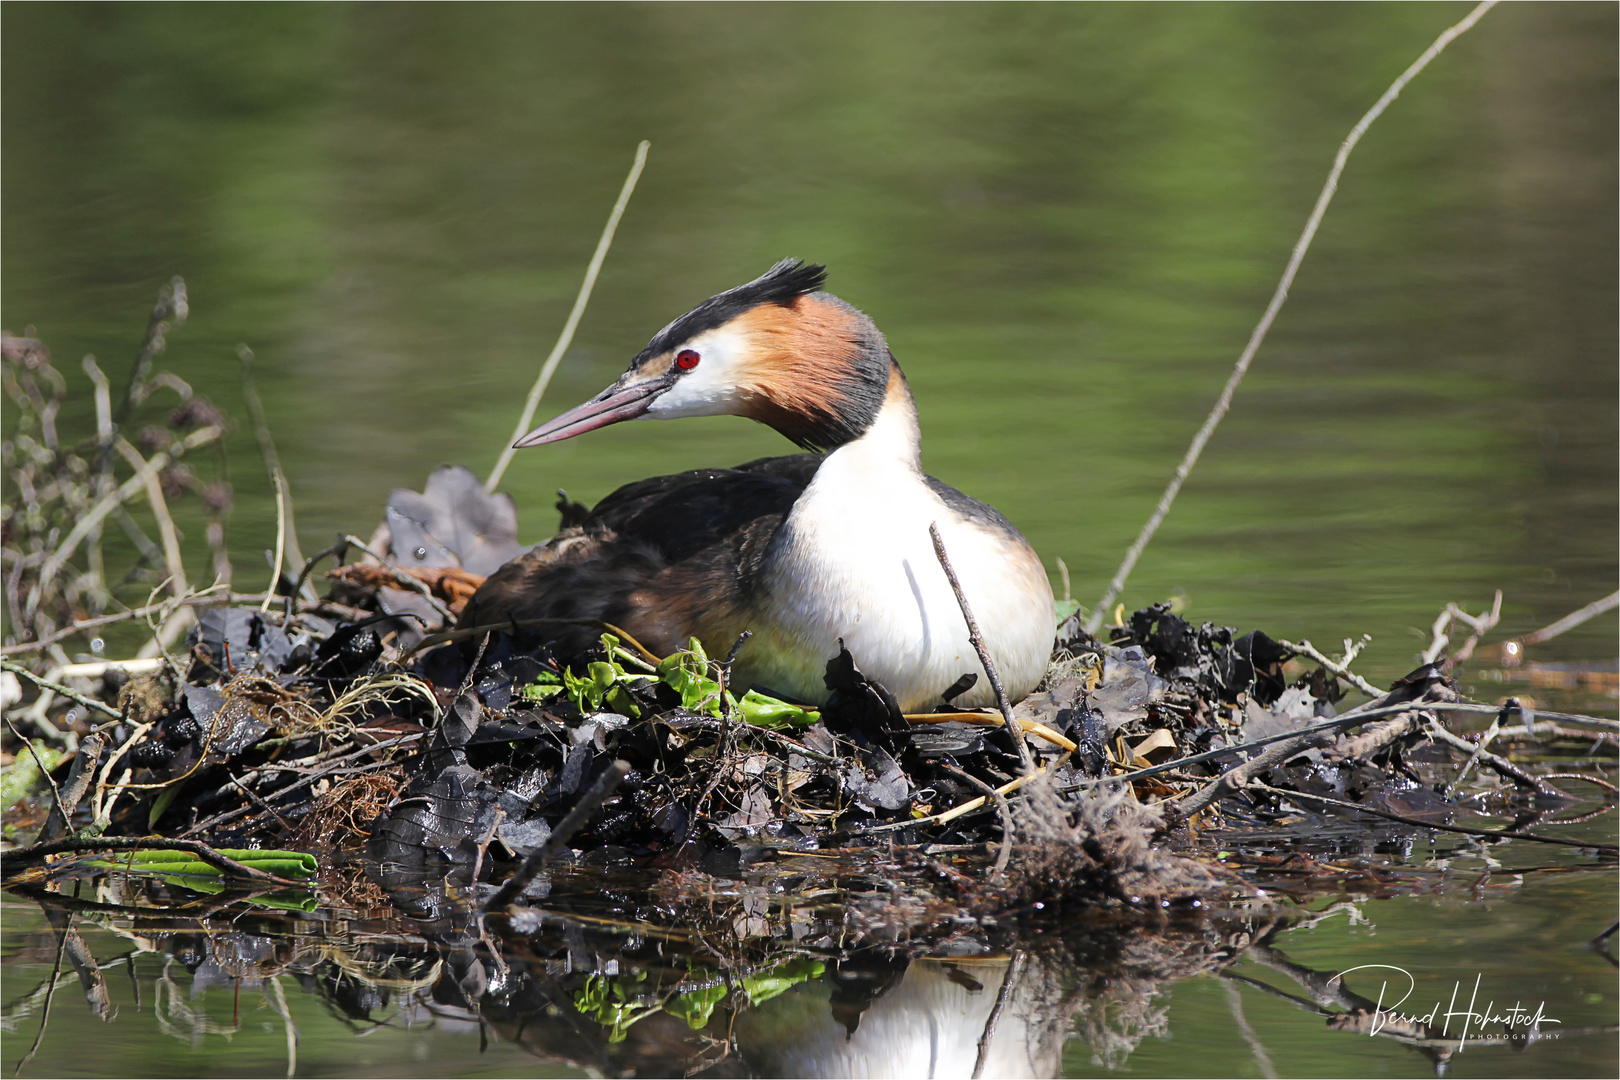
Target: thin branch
[[1009, 986], [1514, 650], [202, 599], [1278, 298], [286, 532], [125, 491], [281, 538], [50, 993], [566, 338], [1305, 648], [1499, 764], [1026, 761], [58, 688], [1489, 834]]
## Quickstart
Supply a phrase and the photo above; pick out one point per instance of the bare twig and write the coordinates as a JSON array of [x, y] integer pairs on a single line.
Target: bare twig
[[1495, 761], [172, 303], [1446, 621], [1025, 760], [1009, 986], [1278, 297], [57, 688], [1261, 1058], [954, 812], [334, 768], [1513, 651], [1305, 648], [567, 336], [160, 510], [86, 524], [50, 993], [1490, 834], [287, 527], [202, 599], [105, 432], [279, 996], [281, 538], [39, 763], [1313, 737]]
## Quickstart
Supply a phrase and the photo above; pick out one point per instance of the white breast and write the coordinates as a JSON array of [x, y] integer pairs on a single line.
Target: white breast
[[854, 561]]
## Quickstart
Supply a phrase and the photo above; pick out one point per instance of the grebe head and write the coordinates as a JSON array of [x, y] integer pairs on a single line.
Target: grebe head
[[776, 350]]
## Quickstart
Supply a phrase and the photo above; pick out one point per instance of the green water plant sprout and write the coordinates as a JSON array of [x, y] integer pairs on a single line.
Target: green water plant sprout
[[689, 672]]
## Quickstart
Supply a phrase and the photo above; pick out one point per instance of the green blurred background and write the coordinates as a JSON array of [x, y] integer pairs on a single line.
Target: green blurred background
[[1065, 218]]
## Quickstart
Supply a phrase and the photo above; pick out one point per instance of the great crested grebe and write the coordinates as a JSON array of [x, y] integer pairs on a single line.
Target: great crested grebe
[[802, 550]]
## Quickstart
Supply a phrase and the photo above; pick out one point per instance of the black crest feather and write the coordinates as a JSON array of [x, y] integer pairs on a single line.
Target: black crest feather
[[781, 284]]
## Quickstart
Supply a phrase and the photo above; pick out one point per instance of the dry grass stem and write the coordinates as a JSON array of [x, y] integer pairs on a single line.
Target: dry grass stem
[[564, 339]]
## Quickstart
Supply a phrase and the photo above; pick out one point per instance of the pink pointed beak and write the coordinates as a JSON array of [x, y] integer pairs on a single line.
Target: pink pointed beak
[[618, 402]]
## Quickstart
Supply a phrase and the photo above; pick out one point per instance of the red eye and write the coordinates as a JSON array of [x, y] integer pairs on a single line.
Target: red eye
[[686, 359]]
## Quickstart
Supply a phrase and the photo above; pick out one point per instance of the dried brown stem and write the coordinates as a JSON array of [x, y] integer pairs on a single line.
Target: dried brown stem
[[288, 528], [125, 491], [1491, 834], [1025, 759]]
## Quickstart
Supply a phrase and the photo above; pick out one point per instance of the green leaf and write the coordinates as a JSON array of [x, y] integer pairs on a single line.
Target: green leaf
[[619, 700], [164, 800], [1065, 608], [696, 1006], [765, 985], [547, 685], [687, 673], [603, 675], [292, 864], [769, 712]]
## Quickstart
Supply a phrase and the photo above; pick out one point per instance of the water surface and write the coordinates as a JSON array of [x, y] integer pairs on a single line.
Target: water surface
[[1066, 219]]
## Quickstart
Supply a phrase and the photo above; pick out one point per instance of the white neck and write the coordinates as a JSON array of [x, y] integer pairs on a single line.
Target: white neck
[[854, 562], [893, 441]]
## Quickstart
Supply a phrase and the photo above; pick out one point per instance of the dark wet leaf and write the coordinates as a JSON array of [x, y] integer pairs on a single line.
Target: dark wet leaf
[[458, 805], [876, 781], [961, 686], [523, 837], [954, 740], [453, 521], [1212, 657], [861, 707], [461, 721]]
